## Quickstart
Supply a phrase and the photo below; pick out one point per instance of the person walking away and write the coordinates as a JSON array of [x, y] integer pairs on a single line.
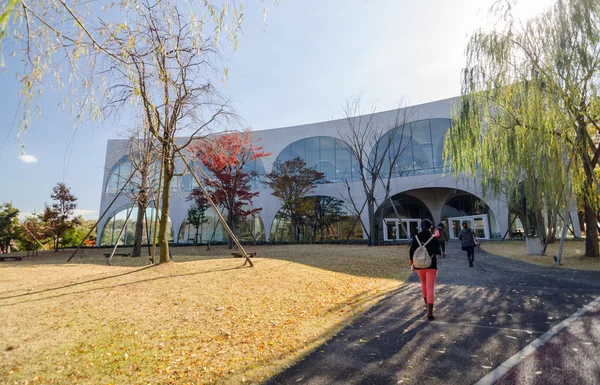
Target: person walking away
[[467, 237], [443, 237], [426, 275]]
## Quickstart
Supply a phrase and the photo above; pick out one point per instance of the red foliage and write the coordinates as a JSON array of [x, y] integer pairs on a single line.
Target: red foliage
[[225, 156]]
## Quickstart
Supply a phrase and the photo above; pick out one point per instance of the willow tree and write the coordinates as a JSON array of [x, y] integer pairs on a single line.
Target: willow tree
[[529, 108], [158, 59]]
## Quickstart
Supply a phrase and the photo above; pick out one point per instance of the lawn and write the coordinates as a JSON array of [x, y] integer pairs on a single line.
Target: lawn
[[572, 257], [201, 319]]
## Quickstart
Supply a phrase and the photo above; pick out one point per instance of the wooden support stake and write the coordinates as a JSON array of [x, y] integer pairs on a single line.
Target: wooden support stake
[[119, 237], [223, 222]]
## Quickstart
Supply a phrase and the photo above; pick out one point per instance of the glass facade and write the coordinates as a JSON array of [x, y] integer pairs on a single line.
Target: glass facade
[[251, 229], [113, 227], [256, 166], [123, 169], [187, 182], [418, 145], [327, 219], [331, 156], [119, 174]]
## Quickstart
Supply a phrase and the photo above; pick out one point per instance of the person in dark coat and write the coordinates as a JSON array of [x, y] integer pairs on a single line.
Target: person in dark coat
[[467, 237], [428, 275], [443, 238]]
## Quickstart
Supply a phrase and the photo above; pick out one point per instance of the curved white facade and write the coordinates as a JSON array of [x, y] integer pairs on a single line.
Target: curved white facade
[[433, 188]]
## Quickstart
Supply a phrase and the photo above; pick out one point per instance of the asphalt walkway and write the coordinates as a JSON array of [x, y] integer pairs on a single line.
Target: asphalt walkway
[[485, 314]]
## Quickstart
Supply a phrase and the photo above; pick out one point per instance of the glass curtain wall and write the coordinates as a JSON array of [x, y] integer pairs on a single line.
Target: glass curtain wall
[[419, 146], [250, 230], [326, 219], [328, 155], [113, 227]]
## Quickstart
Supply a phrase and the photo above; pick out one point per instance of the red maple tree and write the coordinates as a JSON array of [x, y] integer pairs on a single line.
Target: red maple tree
[[226, 157]]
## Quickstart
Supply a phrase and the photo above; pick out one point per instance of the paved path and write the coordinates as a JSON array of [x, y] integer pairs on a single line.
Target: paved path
[[484, 315]]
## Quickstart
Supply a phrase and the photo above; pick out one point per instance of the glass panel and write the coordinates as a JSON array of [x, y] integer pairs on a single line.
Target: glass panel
[[402, 231], [327, 157], [343, 160], [124, 173], [456, 227], [422, 149], [479, 227], [439, 128], [404, 163], [113, 180], [174, 184], [391, 230], [413, 228], [312, 152], [285, 154], [298, 150]]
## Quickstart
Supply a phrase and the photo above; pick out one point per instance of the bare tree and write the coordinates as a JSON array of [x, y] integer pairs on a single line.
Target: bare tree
[[166, 69], [376, 146], [145, 165]]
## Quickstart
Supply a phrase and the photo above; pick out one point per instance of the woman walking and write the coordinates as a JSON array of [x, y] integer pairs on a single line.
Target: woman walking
[[426, 275], [443, 237], [468, 239]]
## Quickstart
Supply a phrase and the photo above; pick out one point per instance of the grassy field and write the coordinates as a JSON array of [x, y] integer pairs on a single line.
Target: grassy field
[[201, 319], [572, 257]]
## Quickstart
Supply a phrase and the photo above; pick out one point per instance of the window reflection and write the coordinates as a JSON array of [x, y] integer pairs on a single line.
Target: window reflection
[[328, 155], [418, 146]]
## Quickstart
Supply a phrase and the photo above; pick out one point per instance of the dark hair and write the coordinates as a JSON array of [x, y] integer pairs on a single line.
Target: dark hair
[[426, 224], [465, 224], [441, 224]]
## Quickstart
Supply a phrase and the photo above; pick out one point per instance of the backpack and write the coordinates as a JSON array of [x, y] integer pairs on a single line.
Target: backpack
[[421, 257]]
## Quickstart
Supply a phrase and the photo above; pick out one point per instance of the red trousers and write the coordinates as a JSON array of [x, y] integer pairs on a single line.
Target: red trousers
[[427, 277]]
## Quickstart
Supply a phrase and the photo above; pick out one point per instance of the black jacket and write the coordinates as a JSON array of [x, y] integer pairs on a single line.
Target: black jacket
[[467, 237], [433, 247]]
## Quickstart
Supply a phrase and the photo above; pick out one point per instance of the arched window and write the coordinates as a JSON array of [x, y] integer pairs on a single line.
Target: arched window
[[328, 219], [187, 182], [258, 168], [119, 174], [418, 145], [328, 155], [113, 227]]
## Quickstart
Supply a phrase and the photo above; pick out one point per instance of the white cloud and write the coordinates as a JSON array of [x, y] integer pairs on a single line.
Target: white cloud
[[24, 214], [28, 158], [86, 214]]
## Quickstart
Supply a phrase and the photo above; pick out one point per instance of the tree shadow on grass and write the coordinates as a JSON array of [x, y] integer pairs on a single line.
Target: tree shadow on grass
[[29, 294]]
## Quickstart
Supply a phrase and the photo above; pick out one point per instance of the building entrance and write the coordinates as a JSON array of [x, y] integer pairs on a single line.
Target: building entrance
[[479, 223], [392, 231]]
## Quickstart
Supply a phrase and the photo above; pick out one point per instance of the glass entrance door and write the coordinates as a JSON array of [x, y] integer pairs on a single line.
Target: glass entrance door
[[394, 229], [478, 223]]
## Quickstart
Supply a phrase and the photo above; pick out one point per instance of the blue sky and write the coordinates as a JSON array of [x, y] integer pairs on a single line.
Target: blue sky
[[312, 57]]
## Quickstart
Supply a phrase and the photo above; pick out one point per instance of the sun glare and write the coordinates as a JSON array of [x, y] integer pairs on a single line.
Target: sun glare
[[527, 9]]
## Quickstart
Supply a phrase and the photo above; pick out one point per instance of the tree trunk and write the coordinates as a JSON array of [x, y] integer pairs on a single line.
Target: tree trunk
[[591, 224], [373, 236], [591, 231], [163, 237], [230, 224], [139, 231]]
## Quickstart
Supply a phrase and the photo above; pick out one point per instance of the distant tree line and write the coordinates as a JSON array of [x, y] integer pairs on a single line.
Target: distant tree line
[[55, 227]]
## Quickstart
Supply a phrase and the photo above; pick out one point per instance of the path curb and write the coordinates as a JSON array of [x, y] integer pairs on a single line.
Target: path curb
[[503, 368]]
